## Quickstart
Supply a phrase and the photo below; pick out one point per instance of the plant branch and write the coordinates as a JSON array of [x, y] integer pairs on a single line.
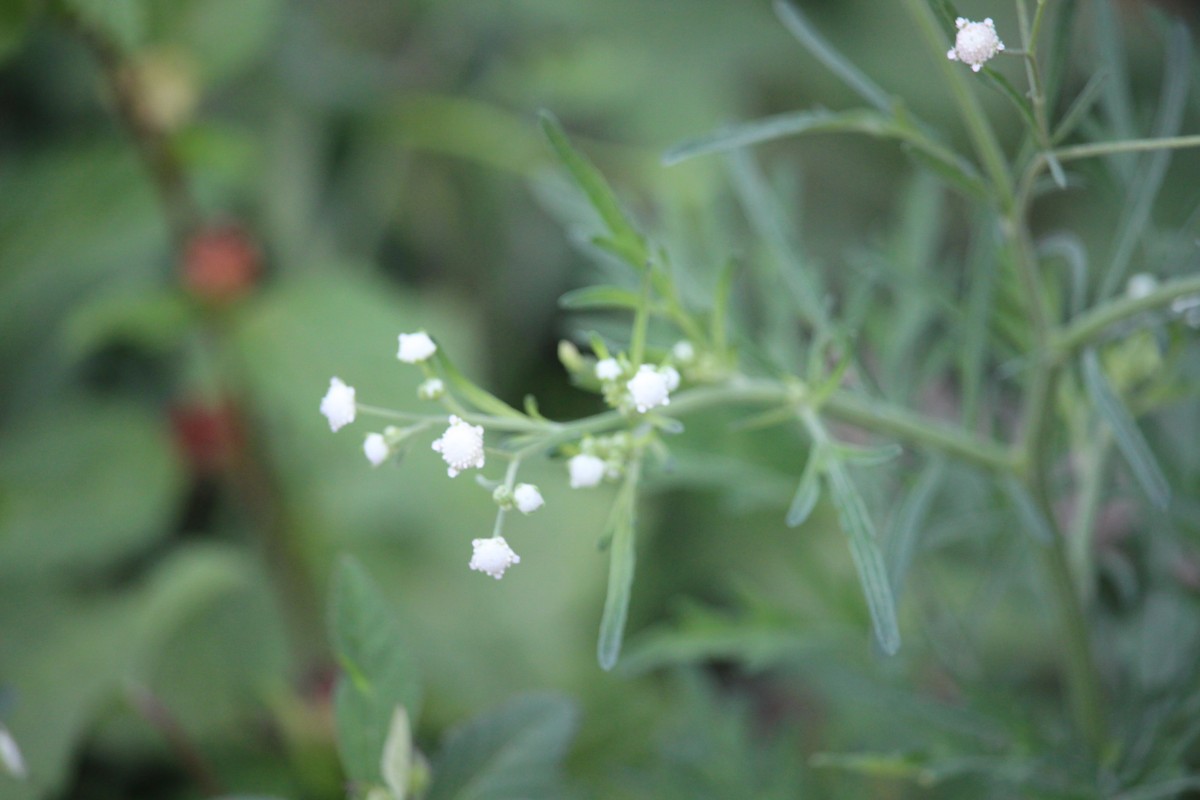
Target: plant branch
[[1126, 146], [1089, 327]]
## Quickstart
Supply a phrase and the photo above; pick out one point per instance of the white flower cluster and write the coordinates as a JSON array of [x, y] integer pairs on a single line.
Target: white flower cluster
[[461, 446], [648, 387], [976, 43], [599, 458], [492, 556]]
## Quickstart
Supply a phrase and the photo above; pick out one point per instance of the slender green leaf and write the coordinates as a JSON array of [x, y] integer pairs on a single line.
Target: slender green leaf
[[719, 319], [1129, 439], [1070, 249], [872, 573], [868, 456], [377, 672], [1117, 99], [816, 44], [1147, 180], [1172, 787], [904, 529], [1030, 516], [600, 297], [791, 271], [1001, 84], [982, 275], [512, 753], [622, 557], [396, 762], [1080, 106], [625, 238], [483, 400], [808, 492]]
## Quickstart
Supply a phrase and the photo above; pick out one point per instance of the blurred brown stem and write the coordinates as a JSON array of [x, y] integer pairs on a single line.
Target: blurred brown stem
[[151, 142], [158, 716]]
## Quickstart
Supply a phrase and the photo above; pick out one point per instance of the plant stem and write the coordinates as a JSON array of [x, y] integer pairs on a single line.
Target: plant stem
[[1089, 327], [1078, 151], [980, 130]]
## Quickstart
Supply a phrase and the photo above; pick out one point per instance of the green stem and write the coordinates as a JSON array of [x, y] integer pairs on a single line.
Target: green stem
[[1087, 507], [1089, 327], [1126, 146], [980, 130]]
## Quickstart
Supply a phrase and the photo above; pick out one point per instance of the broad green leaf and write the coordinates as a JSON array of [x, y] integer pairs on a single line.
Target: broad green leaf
[[622, 557], [153, 321], [816, 44], [868, 561], [1129, 439], [809, 490], [512, 753], [85, 485], [482, 399], [625, 238], [378, 673], [14, 21], [600, 297], [396, 762]]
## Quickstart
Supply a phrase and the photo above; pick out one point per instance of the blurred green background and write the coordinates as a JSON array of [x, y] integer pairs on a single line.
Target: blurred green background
[[171, 502]]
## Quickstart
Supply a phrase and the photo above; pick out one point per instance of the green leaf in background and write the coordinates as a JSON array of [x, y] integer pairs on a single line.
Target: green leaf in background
[[1030, 516], [151, 321], [84, 485], [122, 22], [600, 297], [512, 753], [1129, 439], [625, 238], [904, 529], [396, 762], [378, 671], [868, 560], [622, 557], [808, 492], [827, 54], [14, 21], [482, 399]]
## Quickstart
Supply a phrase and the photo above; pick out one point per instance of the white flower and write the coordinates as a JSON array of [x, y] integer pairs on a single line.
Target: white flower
[[431, 389], [461, 445], [528, 498], [608, 369], [1140, 285], [415, 347], [493, 556], [586, 471], [976, 43], [376, 449], [648, 388], [338, 404], [683, 352], [671, 376]]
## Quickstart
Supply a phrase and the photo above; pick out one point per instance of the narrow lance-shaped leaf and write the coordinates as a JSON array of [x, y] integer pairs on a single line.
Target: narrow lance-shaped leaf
[[396, 762], [816, 44], [864, 549], [900, 543], [1032, 520], [1080, 107], [626, 241], [622, 557], [483, 400], [808, 492], [1129, 439], [512, 753], [600, 297]]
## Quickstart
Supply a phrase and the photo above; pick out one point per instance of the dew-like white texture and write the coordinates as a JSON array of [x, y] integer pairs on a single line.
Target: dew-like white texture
[[493, 556], [976, 43], [461, 446]]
